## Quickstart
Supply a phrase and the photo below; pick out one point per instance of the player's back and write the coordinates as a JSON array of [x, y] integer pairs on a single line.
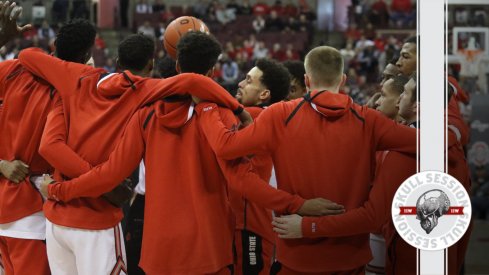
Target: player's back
[[335, 141], [25, 102], [188, 223]]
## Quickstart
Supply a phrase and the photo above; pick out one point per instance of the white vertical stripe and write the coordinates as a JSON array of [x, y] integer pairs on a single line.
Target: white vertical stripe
[[431, 83]]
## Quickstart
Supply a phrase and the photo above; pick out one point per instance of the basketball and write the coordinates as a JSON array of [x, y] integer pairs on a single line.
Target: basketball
[[177, 28]]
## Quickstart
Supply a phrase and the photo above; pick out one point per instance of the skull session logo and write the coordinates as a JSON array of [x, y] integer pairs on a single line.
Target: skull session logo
[[431, 210]]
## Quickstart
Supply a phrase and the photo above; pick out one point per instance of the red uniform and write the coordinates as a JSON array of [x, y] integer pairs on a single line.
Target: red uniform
[[253, 223], [25, 102], [315, 147], [188, 227], [96, 110]]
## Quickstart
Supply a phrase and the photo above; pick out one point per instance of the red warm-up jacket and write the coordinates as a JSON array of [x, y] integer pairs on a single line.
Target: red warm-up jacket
[[95, 109], [25, 102], [321, 146], [188, 226]]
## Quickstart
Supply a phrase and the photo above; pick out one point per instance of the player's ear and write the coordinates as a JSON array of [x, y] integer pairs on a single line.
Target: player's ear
[[307, 81], [210, 73], [177, 67], [343, 80], [118, 64], [265, 95]]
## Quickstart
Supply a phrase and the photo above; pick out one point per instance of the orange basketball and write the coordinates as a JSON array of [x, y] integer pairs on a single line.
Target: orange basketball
[[177, 28]]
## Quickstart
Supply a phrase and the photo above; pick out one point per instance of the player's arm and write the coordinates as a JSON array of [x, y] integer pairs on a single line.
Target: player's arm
[[228, 144], [390, 135], [63, 75], [103, 178], [368, 218], [54, 149], [197, 85]]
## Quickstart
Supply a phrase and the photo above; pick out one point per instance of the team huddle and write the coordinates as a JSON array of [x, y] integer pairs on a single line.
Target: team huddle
[[289, 177]]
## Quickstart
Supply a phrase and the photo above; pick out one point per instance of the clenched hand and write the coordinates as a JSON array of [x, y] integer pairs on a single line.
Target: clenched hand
[[15, 171]]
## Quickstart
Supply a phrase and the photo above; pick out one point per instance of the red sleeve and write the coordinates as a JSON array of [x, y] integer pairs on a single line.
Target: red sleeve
[[61, 74], [390, 135], [54, 149], [197, 85], [243, 179], [375, 212], [106, 176], [254, 139]]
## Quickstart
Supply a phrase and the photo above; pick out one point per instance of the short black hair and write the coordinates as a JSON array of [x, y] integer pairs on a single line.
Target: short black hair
[[296, 70], [197, 52], [135, 51], [398, 83], [75, 40], [393, 60], [412, 39], [165, 67], [275, 77]]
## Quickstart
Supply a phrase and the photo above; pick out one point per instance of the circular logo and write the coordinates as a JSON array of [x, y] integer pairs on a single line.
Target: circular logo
[[431, 210]]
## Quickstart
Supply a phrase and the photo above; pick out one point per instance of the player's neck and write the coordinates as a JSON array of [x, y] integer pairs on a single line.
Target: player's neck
[[333, 90], [411, 120]]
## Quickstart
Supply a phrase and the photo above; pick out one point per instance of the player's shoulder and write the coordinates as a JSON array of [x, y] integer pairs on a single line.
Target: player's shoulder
[[9, 66], [228, 117]]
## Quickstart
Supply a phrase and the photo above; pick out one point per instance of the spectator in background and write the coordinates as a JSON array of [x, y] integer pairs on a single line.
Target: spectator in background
[[80, 9], [297, 82], [99, 42], [158, 6], [245, 8], [143, 7], [274, 22], [200, 9], [480, 191], [352, 32], [217, 73], [261, 8], [45, 32], [260, 51], [230, 72], [291, 25], [277, 53], [6, 55], [232, 5], [109, 65], [290, 53], [224, 16], [291, 9], [278, 8], [304, 25], [160, 31], [400, 12], [348, 54], [369, 32], [230, 50], [306, 10], [60, 10], [147, 29], [363, 43], [379, 15], [259, 24]]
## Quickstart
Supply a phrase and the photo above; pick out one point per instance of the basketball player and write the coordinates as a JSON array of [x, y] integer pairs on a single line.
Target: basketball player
[[25, 102], [390, 71], [315, 144], [84, 235], [188, 226], [407, 62], [265, 84], [375, 214], [297, 84]]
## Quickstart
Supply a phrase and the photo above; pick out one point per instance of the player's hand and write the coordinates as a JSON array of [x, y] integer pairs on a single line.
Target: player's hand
[[196, 100], [288, 227], [320, 207], [46, 181], [245, 118], [15, 171], [121, 194], [9, 13]]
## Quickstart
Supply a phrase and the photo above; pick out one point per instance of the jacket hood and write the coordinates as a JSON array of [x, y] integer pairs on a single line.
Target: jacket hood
[[174, 114], [115, 84], [329, 104]]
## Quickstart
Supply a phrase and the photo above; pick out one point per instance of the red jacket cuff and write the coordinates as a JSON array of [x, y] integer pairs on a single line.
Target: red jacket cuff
[[309, 227], [296, 204], [53, 191]]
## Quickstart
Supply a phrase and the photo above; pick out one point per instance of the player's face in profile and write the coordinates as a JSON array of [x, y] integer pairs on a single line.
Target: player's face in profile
[[250, 88], [389, 72], [387, 102], [406, 104], [296, 90], [407, 60]]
